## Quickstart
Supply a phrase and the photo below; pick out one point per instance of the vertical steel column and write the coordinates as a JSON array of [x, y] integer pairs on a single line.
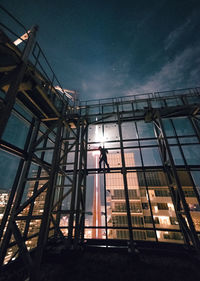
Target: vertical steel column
[[105, 201], [194, 122], [73, 197], [64, 160], [19, 194], [173, 179], [185, 160], [17, 79], [162, 139], [104, 183], [44, 228], [82, 222], [80, 186], [197, 131], [146, 186], [125, 182], [16, 181]]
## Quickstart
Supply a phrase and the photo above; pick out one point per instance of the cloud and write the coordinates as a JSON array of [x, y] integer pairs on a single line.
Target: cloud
[[175, 35], [187, 28], [182, 72]]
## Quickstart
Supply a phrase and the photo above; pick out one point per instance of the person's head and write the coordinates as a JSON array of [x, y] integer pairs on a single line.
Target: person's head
[[100, 147]]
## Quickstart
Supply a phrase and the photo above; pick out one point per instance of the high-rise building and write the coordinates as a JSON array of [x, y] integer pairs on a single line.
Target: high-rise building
[[4, 196], [150, 202], [153, 213], [117, 208]]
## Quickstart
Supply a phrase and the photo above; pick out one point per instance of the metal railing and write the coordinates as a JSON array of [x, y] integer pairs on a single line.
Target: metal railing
[[38, 59], [143, 97]]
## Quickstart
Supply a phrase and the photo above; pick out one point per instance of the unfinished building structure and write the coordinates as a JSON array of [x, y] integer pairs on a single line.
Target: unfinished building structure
[[49, 183]]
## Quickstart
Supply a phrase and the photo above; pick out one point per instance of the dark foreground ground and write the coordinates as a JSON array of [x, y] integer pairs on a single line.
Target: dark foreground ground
[[99, 264]]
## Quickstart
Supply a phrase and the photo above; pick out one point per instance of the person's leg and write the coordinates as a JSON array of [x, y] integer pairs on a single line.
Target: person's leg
[[106, 162], [100, 161]]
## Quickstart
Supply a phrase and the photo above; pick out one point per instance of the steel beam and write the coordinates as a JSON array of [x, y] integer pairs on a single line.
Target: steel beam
[[81, 184], [32, 203], [19, 194], [44, 228], [125, 183], [17, 79], [74, 185], [178, 197], [16, 181]]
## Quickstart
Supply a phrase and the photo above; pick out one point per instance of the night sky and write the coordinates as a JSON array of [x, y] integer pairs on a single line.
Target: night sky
[[106, 48]]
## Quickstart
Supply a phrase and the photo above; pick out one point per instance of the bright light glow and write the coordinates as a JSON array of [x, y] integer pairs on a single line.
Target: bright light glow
[[170, 206], [66, 91], [164, 220], [152, 194], [187, 222], [102, 140], [96, 153], [158, 234], [99, 136], [156, 209], [20, 40]]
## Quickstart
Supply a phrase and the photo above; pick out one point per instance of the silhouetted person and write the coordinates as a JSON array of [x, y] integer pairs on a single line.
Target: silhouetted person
[[103, 158]]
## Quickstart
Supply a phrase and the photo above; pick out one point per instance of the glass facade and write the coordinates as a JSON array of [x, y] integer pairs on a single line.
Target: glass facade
[[153, 186], [153, 210], [50, 182]]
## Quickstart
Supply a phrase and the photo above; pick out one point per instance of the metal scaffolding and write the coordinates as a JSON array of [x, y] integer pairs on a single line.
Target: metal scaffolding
[[55, 170], [55, 128]]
